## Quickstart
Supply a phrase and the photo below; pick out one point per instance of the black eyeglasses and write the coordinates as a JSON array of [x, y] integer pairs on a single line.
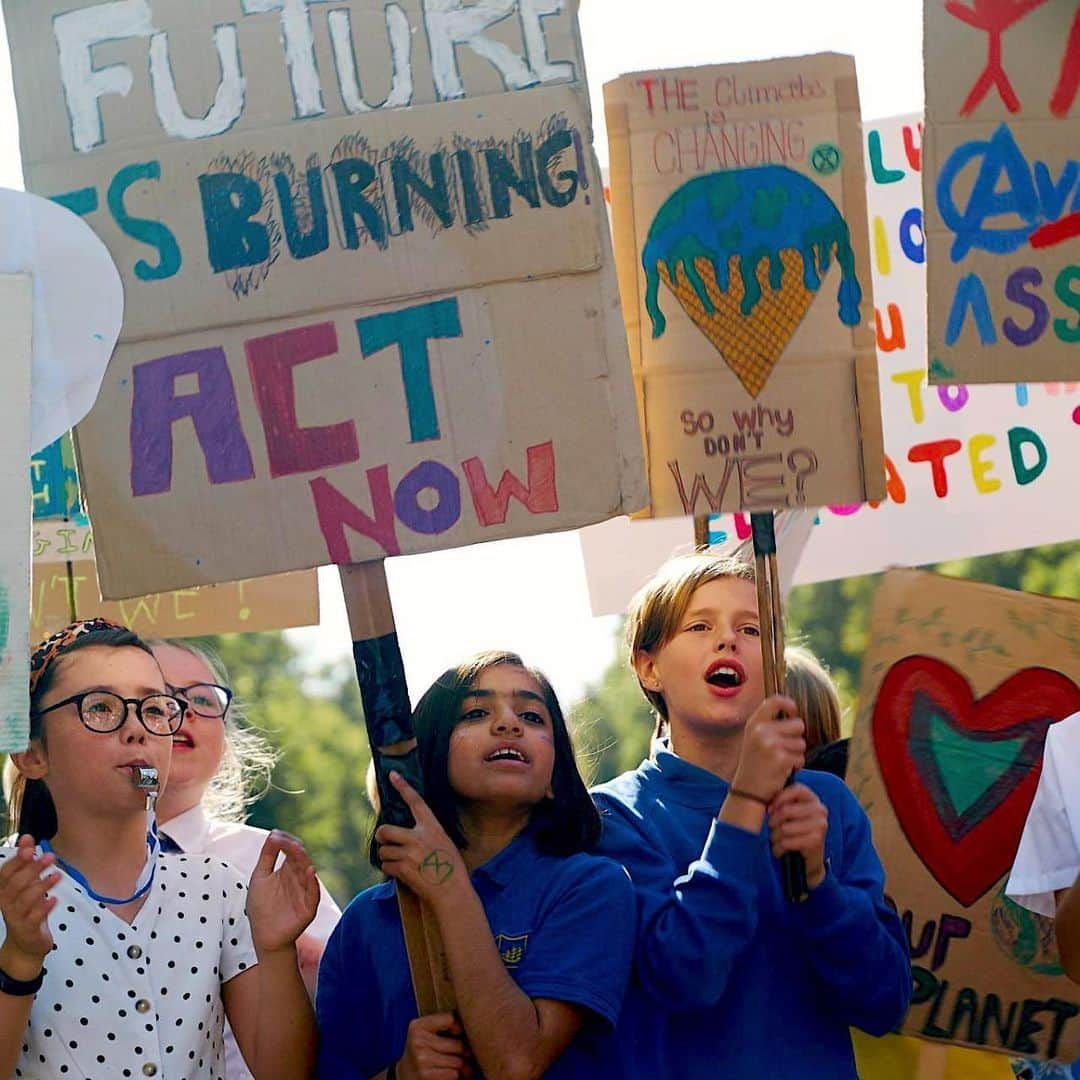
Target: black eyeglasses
[[205, 699], [103, 711]]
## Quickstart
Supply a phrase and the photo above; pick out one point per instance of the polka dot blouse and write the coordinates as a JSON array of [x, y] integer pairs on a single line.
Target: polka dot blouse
[[145, 999]]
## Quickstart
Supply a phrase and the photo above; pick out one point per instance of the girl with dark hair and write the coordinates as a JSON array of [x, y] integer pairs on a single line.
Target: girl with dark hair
[[157, 948], [538, 933]]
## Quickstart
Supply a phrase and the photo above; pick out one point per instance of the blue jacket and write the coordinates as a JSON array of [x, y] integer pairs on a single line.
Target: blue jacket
[[729, 979], [565, 931]]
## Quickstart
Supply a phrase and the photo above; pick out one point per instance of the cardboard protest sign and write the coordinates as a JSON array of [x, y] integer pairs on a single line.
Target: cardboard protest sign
[[1002, 186], [54, 483], [740, 233], [65, 584], [16, 318], [354, 329], [65, 587], [960, 683], [970, 470]]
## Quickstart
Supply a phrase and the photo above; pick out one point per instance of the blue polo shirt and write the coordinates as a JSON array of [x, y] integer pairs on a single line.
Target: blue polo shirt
[[730, 979], [564, 928]]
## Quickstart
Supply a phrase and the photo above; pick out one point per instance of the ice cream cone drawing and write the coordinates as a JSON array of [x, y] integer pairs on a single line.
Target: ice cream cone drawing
[[745, 252]]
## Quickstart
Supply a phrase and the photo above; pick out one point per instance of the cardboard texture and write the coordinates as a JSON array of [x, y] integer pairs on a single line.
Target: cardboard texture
[[353, 329], [16, 318], [959, 685], [278, 602], [740, 232], [65, 586], [1003, 190], [970, 470], [65, 583]]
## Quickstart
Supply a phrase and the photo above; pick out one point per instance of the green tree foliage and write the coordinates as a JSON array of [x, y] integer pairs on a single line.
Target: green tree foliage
[[318, 789], [832, 619], [612, 723], [318, 784]]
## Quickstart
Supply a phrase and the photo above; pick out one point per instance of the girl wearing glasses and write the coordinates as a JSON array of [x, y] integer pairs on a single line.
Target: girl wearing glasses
[[216, 763], [147, 953]]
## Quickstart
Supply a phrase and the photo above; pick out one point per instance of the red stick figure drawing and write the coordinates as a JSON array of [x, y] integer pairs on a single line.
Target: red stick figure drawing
[[1069, 81], [995, 17]]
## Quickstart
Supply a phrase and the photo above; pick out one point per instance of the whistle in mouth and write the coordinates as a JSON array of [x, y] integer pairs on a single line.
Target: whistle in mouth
[[145, 778]]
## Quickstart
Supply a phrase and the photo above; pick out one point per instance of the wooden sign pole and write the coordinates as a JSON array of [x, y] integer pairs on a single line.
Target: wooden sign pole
[[69, 589], [771, 615], [701, 532], [388, 717]]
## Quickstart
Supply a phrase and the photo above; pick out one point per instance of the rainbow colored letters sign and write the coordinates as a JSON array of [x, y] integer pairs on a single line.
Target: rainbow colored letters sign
[[969, 470]]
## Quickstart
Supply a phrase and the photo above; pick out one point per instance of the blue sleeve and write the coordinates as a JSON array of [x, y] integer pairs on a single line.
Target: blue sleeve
[[348, 1015], [582, 951], [695, 921], [854, 941]]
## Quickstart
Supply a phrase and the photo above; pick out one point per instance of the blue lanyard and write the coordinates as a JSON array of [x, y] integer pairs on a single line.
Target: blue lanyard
[[142, 886]]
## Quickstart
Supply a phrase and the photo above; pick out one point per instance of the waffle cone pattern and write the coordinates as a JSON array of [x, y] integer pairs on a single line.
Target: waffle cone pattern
[[750, 344]]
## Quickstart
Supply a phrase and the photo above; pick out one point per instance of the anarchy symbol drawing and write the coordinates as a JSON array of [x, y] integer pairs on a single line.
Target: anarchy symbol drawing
[[437, 866], [825, 159]]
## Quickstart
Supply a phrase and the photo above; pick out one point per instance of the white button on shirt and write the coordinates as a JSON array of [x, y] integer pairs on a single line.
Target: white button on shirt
[[239, 845], [145, 999], [1048, 858]]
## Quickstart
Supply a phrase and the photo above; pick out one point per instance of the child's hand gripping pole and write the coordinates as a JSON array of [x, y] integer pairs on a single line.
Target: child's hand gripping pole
[[770, 612], [380, 672]]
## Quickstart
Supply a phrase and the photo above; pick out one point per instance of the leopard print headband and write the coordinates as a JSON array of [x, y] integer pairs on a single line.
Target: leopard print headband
[[54, 645]]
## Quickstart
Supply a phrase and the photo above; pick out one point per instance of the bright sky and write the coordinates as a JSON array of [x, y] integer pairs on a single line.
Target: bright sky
[[530, 595]]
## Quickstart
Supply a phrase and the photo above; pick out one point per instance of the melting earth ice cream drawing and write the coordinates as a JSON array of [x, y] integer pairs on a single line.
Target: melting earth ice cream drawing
[[745, 251]]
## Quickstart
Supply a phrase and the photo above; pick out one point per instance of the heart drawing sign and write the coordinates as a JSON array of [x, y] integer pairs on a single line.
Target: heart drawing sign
[[961, 682], [960, 770]]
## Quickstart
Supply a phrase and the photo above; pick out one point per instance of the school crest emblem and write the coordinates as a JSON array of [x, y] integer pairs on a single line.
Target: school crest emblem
[[511, 948]]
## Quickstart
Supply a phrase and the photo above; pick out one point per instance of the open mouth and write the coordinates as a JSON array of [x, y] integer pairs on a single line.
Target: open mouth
[[508, 753], [726, 674], [183, 740]]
